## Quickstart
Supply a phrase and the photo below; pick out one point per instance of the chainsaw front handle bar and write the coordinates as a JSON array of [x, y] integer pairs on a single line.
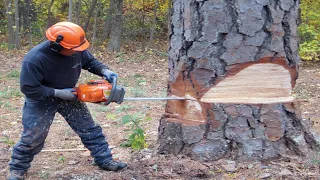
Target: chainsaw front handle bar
[[114, 87]]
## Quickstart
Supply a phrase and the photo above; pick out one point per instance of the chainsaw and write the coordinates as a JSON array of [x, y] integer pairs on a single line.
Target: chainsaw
[[101, 91]]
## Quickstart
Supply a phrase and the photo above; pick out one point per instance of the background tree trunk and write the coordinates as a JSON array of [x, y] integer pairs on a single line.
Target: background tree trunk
[[26, 15], [94, 36], [10, 23], [70, 11], [209, 41], [17, 24], [107, 22], [50, 20], [116, 25], [93, 5], [154, 24], [77, 12], [142, 25]]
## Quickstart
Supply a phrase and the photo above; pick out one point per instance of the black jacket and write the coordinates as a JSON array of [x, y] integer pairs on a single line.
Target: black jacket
[[44, 70]]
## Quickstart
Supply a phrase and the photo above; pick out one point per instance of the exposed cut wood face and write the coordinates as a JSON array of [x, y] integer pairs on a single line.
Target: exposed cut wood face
[[266, 81], [261, 83], [188, 112]]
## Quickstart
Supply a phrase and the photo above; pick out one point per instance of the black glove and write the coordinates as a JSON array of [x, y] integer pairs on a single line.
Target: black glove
[[109, 75], [65, 94]]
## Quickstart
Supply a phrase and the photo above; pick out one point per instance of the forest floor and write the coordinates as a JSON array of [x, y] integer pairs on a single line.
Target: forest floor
[[144, 74]]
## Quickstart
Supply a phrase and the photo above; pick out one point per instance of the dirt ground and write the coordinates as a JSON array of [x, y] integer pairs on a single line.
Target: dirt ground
[[144, 74]]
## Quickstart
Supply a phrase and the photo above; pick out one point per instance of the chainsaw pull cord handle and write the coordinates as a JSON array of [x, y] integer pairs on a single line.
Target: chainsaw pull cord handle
[[114, 87]]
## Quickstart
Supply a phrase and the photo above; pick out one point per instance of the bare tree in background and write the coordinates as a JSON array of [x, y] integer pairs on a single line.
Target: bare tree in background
[[77, 12], [10, 23], [26, 21], [116, 25], [107, 22], [92, 7], [17, 24], [70, 11], [94, 36], [50, 15], [154, 24], [238, 61]]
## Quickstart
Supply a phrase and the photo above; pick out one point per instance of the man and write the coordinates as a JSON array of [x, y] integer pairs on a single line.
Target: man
[[48, 73]]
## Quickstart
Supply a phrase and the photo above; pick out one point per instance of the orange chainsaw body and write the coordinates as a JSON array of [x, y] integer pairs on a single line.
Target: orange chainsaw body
[[94, 91]]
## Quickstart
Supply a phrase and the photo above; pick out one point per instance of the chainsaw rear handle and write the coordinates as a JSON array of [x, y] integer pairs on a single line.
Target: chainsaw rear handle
[[116, 94]]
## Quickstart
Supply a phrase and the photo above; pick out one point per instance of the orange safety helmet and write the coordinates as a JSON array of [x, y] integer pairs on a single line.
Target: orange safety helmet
[[68, 35]]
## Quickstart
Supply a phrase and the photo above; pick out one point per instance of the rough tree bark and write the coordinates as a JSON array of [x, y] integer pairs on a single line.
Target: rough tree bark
[[215, 44]]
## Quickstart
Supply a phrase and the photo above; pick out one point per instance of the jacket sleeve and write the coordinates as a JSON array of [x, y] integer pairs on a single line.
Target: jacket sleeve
[[90, 63], [30, 82]]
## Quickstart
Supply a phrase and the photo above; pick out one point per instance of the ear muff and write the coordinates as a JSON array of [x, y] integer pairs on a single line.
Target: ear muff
[[55, 45]]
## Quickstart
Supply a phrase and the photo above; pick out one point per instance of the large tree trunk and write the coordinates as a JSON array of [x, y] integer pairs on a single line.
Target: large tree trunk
[[238, 60], [169, 19], [116, 25]]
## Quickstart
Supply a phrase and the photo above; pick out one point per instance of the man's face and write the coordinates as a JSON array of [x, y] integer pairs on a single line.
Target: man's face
[[67, 52]]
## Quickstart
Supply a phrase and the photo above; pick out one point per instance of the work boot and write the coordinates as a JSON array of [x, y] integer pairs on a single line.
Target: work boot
[[14, 175], [113, 165]]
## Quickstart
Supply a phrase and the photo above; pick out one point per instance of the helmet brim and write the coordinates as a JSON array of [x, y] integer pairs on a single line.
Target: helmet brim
[[83, 47]]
